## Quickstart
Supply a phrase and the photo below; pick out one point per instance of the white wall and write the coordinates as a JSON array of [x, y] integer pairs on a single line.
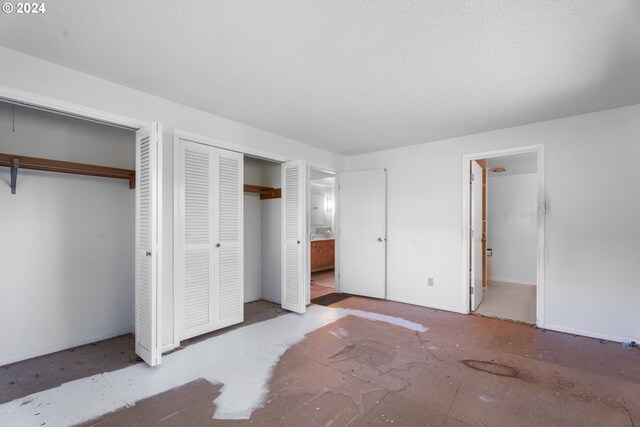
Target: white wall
[[592, 228], [252, 232], [271, 236], [67, 252], [29, 74], [327, 216], [512, 228]]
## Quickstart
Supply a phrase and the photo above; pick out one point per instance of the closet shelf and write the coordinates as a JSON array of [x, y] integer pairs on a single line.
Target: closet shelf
[[265, 192], [16, 161]]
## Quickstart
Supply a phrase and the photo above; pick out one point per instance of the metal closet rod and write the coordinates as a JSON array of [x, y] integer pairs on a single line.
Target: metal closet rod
[[15, 162]]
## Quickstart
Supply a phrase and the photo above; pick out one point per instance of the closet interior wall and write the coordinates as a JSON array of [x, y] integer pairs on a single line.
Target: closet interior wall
[[67, 258], [262, 237]]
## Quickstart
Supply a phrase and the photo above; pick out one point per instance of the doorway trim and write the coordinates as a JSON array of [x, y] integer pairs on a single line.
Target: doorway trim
[[70, 109], [336, 224], [539, 149]]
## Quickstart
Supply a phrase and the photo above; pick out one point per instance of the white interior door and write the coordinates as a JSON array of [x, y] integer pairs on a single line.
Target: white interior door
[[209, 261], [196, 239], [362, 232], [229, 259], [476, 235], [294, 236], [147, 282]]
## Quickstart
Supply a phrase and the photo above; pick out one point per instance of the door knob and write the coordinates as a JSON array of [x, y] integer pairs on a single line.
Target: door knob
[[148, 253], [217, 245], [380, 239]]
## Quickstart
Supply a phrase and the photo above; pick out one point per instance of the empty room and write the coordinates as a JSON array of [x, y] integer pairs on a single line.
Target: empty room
[[343, 213]]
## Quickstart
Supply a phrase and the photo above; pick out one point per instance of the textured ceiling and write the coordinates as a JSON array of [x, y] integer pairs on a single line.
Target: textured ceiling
[[353, 76]]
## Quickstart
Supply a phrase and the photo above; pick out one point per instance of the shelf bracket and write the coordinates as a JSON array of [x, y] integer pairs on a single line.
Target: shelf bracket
[[14, 174]]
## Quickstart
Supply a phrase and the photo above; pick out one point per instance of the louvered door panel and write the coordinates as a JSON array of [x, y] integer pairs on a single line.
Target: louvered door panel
[[196, 266], [294, 234], [209, 257], [230, 224], [147, 320], [143, 300]]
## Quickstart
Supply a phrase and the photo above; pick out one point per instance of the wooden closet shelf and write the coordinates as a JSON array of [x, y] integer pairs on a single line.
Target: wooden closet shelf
[[15, 162], [265, 192]]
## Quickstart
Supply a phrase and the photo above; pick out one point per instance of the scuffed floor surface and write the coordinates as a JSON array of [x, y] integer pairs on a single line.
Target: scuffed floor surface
[[463, 371]]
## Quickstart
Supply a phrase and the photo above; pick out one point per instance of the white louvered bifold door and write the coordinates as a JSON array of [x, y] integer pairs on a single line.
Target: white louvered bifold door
[[229, 236], [147, 283], [209, 252], [294, 221], [195, 264]]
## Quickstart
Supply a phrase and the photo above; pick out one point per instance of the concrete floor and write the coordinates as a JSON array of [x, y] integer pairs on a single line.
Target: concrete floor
[[509, 301], [21, 379], [322, 283], [463, 371]]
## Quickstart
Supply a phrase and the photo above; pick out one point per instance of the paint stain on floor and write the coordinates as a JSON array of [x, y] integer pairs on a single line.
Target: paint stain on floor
[[223, 359], [354, 371]]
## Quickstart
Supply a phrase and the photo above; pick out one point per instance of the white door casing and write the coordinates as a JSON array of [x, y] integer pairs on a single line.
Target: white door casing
[[362, 232], [476, 235], [147, 280], [209, 261], [294, 236]]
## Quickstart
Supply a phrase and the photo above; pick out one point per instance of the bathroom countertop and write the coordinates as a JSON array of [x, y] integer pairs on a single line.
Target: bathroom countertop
[[322, 238]]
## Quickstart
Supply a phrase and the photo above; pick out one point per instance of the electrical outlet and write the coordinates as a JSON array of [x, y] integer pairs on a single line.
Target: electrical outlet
[[430, 281]]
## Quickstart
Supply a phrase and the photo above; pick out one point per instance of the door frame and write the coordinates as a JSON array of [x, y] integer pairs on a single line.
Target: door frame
[[84, 112], [336, 226], [179, 135], [539, 149]]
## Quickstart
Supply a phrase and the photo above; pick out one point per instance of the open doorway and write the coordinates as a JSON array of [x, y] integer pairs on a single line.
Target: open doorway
[[503, 235], [322, 253]]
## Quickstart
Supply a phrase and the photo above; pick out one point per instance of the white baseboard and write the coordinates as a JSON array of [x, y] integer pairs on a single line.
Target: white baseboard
[[271, 300], [589, 334], [515, 282], [62, 346], [170, 346], [432, 306]]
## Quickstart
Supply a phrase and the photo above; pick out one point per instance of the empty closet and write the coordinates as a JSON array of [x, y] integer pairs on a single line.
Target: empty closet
[[68, 223], [263, 224]]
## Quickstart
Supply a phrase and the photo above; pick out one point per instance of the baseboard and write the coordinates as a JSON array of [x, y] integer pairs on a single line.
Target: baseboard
[[168, 347], [62, 346], [515, 282], [271, 300], [588, 334], [432, 306]]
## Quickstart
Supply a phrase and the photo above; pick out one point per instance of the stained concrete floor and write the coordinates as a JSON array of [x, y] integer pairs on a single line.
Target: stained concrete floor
[[42, 373], [463, 371], [322, 283]]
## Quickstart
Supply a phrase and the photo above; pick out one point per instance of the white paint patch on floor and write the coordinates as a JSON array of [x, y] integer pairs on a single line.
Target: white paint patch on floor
[[399, 321], [242, 360]]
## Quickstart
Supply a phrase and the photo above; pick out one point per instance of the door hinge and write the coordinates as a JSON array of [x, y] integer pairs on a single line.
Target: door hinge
[[471, 290], [472, 177], [471, 233]]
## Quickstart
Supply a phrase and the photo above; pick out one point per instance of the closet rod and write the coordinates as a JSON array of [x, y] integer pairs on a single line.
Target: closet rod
[[35, 163], [265, 192]]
